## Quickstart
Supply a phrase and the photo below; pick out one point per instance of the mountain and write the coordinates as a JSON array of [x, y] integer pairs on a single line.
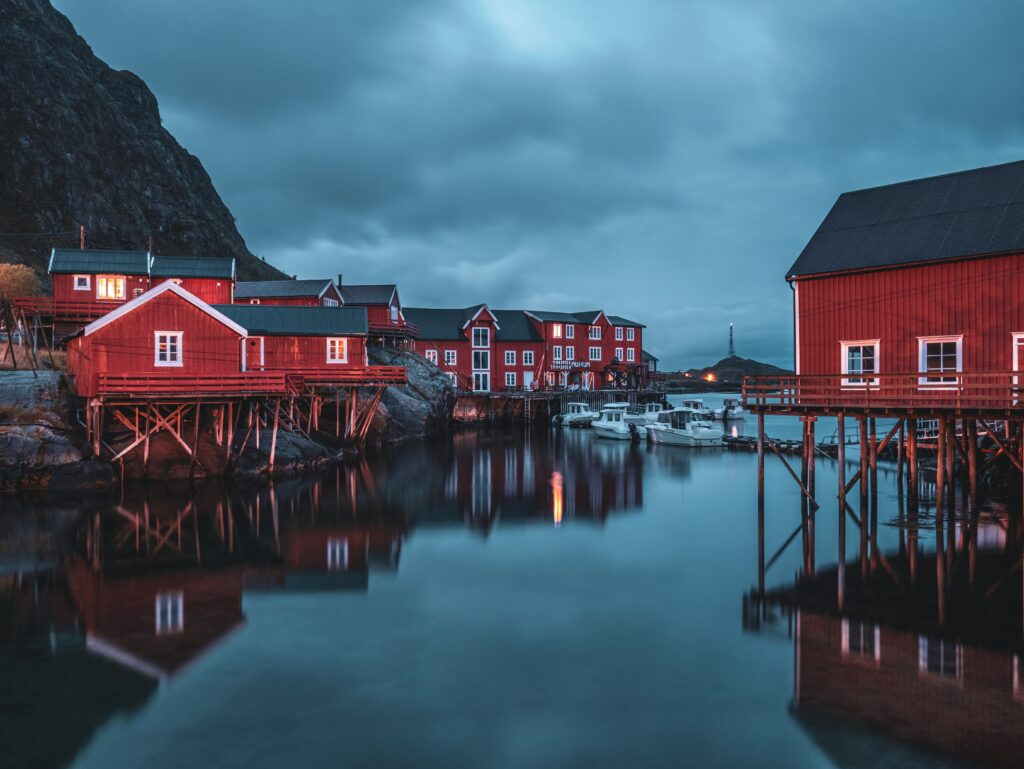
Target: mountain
[[83, 144], [733, 369]]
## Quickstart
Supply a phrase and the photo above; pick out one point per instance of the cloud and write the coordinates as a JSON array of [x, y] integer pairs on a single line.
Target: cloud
[[665, 161]]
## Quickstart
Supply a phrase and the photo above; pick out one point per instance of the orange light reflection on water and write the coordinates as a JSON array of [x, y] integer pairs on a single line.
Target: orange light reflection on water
[[556, 497]]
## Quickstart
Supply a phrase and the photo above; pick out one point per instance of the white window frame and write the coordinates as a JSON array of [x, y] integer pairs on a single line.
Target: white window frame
[[556, 352], [481, 377], [510, 357], [858, 380], [527, 357], [138, 292], [556, 331], [163, 619], [876, 656], [328, 302], [510, 379], [479, 353], [333, 343], [630, 334], [570, 331], [595, 353], [105, 281], [83, 283], [451, 357], [254, 301], [618, 333], [570, 352], [630, 354], [594, 333], [483, 333], [431, 355], [922, 659], [1017, 337], [933, 380], [178, 361], [619, 354], [394, 313]]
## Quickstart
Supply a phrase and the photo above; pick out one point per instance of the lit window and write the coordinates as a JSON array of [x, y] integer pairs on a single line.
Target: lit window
[[556, 331], [595, 332], [481, 336], [450, 357], [337, 349], [618, 333], [556, 352], [618, 354], [254, 301], [860, 360], [510, 357], [595, 353], [109, 287], [630, 354], [527, 357], [510, 379], [328, 302], [861, 640], [81, 283], [167, 348], [337, 554], [940, 355], [940, 657], [570, 332], [170, 612], [431, 355], [570, 353]]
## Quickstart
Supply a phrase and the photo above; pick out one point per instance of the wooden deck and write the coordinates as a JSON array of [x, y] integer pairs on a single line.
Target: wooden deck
[[63, 310], [991, 394], [387, 328]]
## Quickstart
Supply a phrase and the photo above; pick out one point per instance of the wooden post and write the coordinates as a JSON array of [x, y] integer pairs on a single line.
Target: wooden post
[[841, 473], [811, 509], [97, 430], [805, 506], [337, 412], [873, 465], [145, 447], [273, 439], [760, 503], [862, 432], [912, 497]]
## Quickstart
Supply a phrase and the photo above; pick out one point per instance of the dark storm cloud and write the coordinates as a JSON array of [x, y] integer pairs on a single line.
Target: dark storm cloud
[[665, 160]]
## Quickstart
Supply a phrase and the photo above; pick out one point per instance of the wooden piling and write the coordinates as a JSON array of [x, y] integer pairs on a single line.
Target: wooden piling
[[760, 504], [841, 476]]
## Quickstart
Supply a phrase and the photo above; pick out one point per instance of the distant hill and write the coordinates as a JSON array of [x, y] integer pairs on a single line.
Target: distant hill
[[733, 369], [81, 143]]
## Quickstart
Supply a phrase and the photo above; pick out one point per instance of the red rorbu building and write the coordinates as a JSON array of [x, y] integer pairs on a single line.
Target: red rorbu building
[[383, 308], [909, 294], [208, 278], [305, 293], [111, 277]]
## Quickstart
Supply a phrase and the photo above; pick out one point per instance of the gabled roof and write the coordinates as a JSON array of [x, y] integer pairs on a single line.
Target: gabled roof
[[588, 317], [96, 261], [192, 267], [289, 320], [153, 293], [617, 320], [438, 324], [259, 289], [472, 313], [970, 213], [644, 355], [516, 326], [368, 294]]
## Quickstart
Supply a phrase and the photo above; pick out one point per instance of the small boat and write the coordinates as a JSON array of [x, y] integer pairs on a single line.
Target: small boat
[[731, 409], [683, 427], [576, 415], [698, 405], [614, 422], [650, 412]]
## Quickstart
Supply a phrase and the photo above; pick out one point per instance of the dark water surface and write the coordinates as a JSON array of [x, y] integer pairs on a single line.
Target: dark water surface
[[497, 599]]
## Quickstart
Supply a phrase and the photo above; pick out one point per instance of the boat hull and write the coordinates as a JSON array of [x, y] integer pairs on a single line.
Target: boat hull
[[671, 437], [618, 432]]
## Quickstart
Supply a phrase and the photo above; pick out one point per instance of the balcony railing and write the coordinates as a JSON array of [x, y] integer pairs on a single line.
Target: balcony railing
[[367, 376], [148, 384], [993, 391], [66, 309]]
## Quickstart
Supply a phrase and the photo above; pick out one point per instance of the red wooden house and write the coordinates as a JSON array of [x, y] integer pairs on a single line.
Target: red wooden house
[[210, 279], [110, 277], [383, 307], [909, 294], [306, 293]]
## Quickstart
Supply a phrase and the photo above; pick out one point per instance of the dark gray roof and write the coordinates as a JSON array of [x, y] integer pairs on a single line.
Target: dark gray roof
[[193, 267], [368, 293], [644, 355], [566, 317], [258, 289], [516, 326], [288, 320], [447, 324], [95, 261], [969, 213], [617, 320]]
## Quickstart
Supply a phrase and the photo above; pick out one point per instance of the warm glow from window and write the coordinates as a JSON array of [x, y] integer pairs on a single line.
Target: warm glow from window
[[556, 331], [109, 287], [556, 498]]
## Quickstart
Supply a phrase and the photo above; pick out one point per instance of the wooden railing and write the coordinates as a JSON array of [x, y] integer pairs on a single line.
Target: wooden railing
[[150, 383], [975, 390], [65, 309], [387, 327], [347, 375]]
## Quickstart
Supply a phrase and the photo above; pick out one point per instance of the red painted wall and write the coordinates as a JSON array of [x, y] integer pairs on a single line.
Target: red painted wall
[[295, 301], [210, 290], [64, 288], [283, 352], [979, 298]]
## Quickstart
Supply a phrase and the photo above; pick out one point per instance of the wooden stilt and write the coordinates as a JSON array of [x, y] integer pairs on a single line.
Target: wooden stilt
[[812, 511], [760, 504], [841, 473], [273, 439], [862, 432], [873, 492]]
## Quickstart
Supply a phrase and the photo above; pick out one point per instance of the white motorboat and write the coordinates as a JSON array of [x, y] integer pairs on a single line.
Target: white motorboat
[[614, 422], [698, 405], [731, 409], [576, 415], [683, 427], [650, 412]]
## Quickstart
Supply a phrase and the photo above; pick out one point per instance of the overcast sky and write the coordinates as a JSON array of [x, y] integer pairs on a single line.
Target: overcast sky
[[665, 160]]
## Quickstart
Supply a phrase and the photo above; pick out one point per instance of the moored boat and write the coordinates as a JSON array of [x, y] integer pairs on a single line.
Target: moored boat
[[614, 422], [731, 409], [576, 415], [698, 405], [683, 427]]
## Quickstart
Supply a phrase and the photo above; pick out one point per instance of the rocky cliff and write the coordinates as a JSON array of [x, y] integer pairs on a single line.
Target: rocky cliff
[[81, 143]]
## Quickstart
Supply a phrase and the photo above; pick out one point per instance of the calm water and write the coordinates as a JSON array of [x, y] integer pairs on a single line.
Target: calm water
[[491, 600]]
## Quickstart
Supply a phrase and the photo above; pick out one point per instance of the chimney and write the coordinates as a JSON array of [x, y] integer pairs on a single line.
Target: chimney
[[339, 280]]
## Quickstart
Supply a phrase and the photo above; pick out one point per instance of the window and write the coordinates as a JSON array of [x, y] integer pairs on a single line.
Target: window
[[940, 657], [556, 331], [481, 381], [630, 354], [618, 333], [170, 612], [510, 357], [328, 302], [254, 301], [337, 349], [167, 348], [940, 355], [859, 359], [337, 554], [570, 331], [510, 379], [394, 313], [109, 287], [481, 360], [481, 336], [450, 357], [861, 639], [556, 352], [595, 332], [81, 283], [570, 353], [595, 353], [630, 334], [618, 354], [527, 357], [431, 355]]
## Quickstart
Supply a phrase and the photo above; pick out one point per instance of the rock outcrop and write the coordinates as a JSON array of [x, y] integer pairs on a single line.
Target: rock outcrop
[[81, 143], [422, 406]]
